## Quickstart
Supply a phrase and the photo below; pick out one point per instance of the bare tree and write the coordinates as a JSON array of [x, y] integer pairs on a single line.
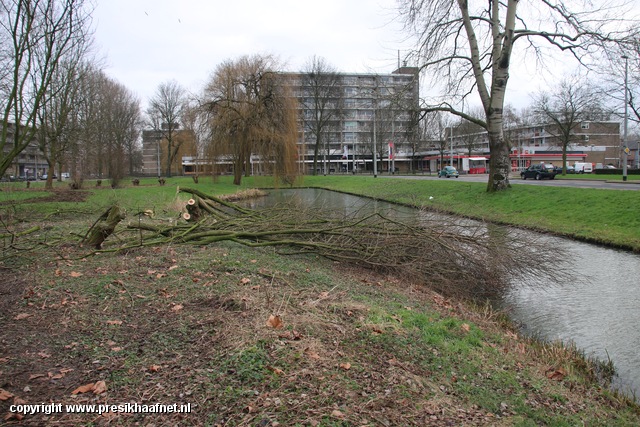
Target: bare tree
[[196, 119], [252, 112], [107, 123], [165, 115], [35, 35], [471, 134], [58, 124], [124, 121], [469, 46], [321, 103], [566, 106], [437, 125]]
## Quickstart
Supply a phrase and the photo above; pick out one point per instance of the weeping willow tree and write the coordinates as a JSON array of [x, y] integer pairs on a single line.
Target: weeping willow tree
[[252, 117]]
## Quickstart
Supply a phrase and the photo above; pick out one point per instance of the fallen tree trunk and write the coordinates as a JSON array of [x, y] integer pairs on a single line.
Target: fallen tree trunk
[[449, 256], [104, 227]]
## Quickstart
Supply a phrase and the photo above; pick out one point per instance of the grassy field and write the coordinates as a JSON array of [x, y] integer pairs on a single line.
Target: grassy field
[[249, 337]]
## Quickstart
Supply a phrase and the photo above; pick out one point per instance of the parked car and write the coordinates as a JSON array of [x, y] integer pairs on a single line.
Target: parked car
[[448, 172], [539, 171], [558, 169]]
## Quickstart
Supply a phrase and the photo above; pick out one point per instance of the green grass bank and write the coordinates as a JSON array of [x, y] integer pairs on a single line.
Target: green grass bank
[[249, 337], [602, 216]]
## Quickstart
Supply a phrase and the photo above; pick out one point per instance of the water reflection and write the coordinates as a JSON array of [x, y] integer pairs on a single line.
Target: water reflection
[[597, 306]]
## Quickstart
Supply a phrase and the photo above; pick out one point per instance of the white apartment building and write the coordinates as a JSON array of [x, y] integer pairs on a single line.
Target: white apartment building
[[371, 110]]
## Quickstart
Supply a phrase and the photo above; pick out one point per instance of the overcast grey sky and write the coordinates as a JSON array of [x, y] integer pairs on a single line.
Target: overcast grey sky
[[147, 42]]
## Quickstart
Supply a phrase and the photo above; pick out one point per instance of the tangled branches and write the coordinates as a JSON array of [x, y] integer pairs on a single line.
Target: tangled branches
[[453, 257]]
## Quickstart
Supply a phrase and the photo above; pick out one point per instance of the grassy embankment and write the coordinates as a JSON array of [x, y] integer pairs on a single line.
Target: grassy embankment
[[190, 325], [603, 216]]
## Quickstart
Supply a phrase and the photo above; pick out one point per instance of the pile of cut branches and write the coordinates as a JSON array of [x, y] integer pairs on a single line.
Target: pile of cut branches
[[453, 257]]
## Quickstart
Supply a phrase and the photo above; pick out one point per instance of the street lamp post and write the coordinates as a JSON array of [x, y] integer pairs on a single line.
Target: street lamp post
[[451, 146], [626, 117], [375, 160], [158, 158]]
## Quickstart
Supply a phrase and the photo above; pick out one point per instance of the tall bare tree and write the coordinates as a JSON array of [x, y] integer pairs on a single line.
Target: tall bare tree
[[107, 123], [566, 106], [165, 115], [34, 36], [123, 119], [252, 113], [469, 45], [57, 119], [196, 119], [321, 103]]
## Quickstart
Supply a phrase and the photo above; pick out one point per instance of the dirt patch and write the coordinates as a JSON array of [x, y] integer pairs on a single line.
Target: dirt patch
[[12, 289], [249, 339]]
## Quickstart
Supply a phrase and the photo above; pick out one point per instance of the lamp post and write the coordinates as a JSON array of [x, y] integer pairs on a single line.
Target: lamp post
[[626, 117], [375, 160], [451, 146], [158, 158]]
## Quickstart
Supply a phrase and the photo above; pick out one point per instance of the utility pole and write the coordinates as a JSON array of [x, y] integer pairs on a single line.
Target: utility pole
[[625, 149]]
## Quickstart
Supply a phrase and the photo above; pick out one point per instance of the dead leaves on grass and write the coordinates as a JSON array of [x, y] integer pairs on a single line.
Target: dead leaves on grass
[[5, 395], [22, 316], [275, 322], [98, 387], [556, 374]]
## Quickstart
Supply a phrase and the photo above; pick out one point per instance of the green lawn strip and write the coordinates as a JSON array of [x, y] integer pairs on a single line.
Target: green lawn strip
[[604, 216]]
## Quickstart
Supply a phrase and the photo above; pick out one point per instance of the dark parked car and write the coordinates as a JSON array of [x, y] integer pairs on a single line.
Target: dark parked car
[[448, 172], [558, 169], [539, 171]]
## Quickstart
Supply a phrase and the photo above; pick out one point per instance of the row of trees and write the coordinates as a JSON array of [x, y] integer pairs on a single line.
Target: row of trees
[[52, 91], [56, 94]]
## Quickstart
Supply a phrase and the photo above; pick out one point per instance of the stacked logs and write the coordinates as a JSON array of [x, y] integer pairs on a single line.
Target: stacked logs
[[201, 204], [193, 212]]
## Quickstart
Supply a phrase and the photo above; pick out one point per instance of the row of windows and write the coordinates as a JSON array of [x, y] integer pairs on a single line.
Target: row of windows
[[337, 137], [371, 80]]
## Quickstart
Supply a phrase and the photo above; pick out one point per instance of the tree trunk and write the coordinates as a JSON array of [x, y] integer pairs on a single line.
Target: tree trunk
[[49, 184], [104, 227], [500, 163], [237, 171], [316, 152], [169, 157]]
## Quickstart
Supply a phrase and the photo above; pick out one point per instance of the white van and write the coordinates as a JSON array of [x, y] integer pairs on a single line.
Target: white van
[[583, 167]]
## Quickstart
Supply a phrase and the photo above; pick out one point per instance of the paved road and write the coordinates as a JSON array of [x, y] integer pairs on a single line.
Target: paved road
[[516, 180]]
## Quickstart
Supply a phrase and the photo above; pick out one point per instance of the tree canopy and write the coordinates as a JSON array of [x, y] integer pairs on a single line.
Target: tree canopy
[[251, 113]]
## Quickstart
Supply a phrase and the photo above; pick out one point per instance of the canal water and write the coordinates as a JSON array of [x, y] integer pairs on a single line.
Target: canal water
[[596, 305]]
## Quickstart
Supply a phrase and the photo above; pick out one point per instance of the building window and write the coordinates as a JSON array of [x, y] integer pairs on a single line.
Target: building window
[[349, 137], [350, 91], [368, 81], [584, 125], [350, 126]]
